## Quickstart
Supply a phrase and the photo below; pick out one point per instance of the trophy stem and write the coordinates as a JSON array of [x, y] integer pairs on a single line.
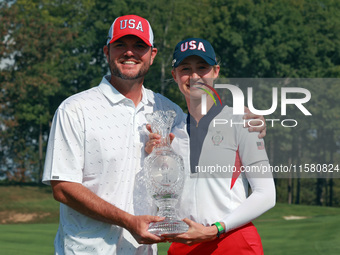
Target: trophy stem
[[170, 225], [167, 209]]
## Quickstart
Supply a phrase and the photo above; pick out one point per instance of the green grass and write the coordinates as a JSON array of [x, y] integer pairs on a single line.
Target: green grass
[[27, 239], [319, 233], [163, 248], [309, 236], [37, 200]]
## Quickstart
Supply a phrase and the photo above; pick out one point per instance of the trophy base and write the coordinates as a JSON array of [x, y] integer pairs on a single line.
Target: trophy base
[[168, 226]]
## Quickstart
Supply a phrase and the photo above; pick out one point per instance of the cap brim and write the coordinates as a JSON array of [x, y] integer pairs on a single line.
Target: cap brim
[[207, 59], [115, 38]]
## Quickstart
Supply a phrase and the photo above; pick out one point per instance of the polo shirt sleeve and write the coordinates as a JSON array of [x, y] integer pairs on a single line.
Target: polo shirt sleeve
[[65, 151]]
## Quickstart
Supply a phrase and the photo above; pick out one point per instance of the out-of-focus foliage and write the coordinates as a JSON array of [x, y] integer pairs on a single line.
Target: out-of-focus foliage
[[52, 49]]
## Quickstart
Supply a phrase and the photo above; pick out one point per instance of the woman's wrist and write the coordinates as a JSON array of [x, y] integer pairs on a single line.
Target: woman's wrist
[[220, 227], [212, 231]]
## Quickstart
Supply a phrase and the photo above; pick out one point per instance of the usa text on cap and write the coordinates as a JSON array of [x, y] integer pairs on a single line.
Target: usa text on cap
[[131, 25]]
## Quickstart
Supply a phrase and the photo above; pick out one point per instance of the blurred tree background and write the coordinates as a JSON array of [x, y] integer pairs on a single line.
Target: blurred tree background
[[51, 49]]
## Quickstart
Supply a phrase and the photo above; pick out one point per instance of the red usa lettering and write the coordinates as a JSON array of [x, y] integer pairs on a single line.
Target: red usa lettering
[[131, 23], [193, 46]]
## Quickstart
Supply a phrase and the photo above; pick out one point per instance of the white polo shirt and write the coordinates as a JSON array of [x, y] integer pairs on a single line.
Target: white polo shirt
[[97, 139], [222, 196]]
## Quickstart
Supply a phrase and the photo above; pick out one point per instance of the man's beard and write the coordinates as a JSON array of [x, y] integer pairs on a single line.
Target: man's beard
[[116, 72]]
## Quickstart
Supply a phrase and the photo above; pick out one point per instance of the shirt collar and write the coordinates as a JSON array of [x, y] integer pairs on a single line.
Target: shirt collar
[[115, 96]]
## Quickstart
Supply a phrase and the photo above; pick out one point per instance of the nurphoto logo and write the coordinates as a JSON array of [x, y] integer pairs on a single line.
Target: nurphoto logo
[[296, 97]]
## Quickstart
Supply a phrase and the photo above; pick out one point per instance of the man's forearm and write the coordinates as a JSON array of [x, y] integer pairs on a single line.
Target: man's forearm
[[81, 199]]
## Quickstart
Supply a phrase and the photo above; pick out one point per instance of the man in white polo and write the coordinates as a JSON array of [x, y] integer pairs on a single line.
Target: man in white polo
[[95, 152]]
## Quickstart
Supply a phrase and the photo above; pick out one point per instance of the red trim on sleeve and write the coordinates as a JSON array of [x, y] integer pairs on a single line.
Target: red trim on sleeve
[[237, 172]]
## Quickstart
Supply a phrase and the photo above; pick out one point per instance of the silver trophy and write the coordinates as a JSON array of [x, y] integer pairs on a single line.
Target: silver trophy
[[164, 170]]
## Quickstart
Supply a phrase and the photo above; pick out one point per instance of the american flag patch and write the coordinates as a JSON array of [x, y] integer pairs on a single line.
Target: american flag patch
[[260, 145]]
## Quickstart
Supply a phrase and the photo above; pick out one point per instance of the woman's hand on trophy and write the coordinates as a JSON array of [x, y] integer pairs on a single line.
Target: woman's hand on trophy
[[154, 139], [138, 227], [197, 233]]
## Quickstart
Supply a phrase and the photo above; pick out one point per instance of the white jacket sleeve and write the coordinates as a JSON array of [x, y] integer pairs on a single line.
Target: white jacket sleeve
[[262, 198]]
